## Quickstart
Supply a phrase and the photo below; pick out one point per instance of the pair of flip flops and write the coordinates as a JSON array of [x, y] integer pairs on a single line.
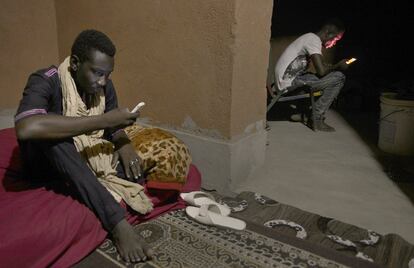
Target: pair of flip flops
[[204, 209]]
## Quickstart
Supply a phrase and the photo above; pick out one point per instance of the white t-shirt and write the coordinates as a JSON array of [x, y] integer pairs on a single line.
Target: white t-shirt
[[295, 59]]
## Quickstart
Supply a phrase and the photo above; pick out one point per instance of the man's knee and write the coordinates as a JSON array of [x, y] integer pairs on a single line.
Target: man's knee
[[63, 157], [338, 77], [55, 146]]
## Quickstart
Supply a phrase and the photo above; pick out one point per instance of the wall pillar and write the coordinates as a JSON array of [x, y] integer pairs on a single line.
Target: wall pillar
[[200, 66]]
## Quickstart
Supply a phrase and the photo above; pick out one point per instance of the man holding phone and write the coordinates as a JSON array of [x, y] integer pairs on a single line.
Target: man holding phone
[[70, 128], [291, 68]]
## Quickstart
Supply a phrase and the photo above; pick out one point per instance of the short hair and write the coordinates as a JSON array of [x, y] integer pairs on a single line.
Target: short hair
[[334, 24], [92, 39]]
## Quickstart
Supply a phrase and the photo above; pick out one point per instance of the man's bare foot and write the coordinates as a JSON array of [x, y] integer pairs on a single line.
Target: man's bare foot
[[131, 246]]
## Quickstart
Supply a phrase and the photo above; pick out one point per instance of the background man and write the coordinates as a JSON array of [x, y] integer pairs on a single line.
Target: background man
[[291, 68]]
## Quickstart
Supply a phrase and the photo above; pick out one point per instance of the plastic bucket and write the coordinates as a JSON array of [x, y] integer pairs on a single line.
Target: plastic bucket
[[396, 129]]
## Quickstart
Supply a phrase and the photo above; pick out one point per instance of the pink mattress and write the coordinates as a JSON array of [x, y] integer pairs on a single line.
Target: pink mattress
[[40, 228]]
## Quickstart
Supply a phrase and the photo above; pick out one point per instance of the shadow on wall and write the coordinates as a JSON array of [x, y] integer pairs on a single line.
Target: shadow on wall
[[278, 45]]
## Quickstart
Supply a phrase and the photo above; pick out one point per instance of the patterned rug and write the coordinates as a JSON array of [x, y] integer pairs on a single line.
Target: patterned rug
[[277, 235]]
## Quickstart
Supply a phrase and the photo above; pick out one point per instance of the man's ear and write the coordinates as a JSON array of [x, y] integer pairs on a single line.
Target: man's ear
[[74, 63], [327, 33]]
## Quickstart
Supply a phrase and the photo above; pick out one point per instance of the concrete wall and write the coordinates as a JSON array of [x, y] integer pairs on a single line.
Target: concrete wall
[[199, 65], [186, 59], [181, 58], [28, 41], [174, 55], [250, 51]]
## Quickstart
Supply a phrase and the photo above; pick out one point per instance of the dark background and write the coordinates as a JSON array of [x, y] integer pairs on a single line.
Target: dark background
[[378, 34]]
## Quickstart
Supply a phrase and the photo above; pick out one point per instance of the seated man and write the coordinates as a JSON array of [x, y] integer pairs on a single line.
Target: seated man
[[61, 121], [291, 68]]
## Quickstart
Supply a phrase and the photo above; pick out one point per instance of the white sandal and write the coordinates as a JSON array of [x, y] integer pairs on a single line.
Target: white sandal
[[199, 198], [211, 214]]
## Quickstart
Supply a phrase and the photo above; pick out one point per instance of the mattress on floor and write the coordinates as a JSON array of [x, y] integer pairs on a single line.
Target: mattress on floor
[[277, 235], [42, 227]]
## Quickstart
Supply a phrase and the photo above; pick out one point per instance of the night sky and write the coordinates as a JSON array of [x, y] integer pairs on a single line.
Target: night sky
[[377, 34]]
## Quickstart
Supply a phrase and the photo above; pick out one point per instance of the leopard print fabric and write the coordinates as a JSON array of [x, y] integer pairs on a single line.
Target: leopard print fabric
[[168, 156]]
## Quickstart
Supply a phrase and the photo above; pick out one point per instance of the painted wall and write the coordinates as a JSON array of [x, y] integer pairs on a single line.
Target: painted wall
[[28, 41], [251, 52], [199, 65]]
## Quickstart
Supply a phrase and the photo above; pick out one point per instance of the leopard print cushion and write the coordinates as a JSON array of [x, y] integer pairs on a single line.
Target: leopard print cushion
[[168, 156]]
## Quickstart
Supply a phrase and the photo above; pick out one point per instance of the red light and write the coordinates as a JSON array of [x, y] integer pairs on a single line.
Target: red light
[[332, 42]]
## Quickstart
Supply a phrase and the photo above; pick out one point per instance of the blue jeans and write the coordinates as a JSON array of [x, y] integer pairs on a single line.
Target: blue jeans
[[331, 84]]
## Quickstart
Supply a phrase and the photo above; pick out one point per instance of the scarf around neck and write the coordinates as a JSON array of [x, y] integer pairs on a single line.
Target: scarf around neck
[[97, 151]]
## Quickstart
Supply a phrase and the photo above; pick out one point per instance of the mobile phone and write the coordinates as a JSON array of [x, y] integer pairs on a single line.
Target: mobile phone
[[350, 61], [139, 106]]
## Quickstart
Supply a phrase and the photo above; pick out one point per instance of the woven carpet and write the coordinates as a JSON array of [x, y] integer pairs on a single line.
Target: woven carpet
[[277, 235]]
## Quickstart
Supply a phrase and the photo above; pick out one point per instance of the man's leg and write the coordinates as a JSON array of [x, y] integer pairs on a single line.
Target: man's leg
[[64, 158], [69, 165], [331, 84]]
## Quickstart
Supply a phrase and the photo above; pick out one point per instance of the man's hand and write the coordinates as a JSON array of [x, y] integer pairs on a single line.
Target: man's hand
[[120, 118], [270, 91], [342, 66], [129, 160]]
